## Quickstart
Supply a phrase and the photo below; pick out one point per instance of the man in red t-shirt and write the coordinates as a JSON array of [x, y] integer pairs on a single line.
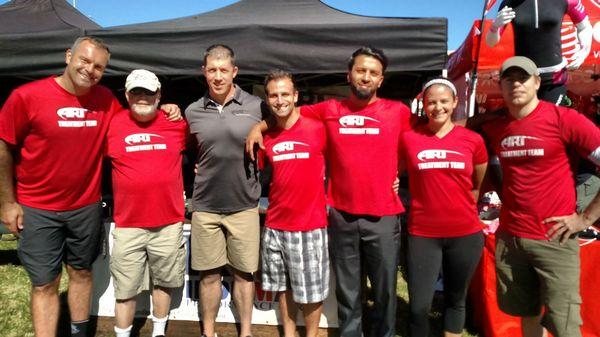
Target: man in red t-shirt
[[51, 136], [294, 255], [363, 135], [537, 251], [146, 154]]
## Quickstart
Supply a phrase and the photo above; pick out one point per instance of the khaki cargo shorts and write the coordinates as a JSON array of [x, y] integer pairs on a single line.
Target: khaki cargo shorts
[[532, 274], [225, 239], [142, 253]]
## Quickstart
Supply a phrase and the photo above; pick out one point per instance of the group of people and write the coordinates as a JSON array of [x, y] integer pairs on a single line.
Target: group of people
[[54, 133]]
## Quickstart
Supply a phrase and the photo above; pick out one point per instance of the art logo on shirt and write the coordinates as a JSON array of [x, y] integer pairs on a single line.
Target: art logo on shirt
[[511, 147], [357, 125], [144, 142], [439, 159], [285, 151], [74, 118]]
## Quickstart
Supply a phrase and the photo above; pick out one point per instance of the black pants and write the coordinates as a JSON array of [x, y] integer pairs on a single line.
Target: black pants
[[550, 91], [458, 257], [377, 241]]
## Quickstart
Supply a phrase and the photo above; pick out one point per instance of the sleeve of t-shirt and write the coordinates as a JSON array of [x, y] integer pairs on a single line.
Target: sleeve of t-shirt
[[315, 111], [480, 155], [402, 153], [406, 118], [264, 110], [105, 152], [184, 131], [107, 145], [576, 11], [581, 133], [261, 159], [14, 120]]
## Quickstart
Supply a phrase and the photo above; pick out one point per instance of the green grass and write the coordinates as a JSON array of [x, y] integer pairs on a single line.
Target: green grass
[[15, 319], [14, 292]]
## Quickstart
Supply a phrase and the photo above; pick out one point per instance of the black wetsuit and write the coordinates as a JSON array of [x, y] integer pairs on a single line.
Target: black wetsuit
[[536, 27]]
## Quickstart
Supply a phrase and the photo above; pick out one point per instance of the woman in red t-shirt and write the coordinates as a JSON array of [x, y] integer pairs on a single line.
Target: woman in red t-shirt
[[446, 164]]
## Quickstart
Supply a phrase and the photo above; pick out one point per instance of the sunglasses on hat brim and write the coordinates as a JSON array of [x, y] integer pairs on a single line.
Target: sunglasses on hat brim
[[142, 91]]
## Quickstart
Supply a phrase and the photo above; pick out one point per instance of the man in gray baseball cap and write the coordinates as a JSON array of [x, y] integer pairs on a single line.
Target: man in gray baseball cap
[[537, 251], [520, 62]]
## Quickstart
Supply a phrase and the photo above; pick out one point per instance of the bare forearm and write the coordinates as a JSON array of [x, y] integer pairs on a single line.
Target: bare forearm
[[592, 212], [492, 38], [7, 190]]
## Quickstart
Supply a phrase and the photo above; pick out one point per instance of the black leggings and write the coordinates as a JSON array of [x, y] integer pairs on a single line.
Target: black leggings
[[458, 257]]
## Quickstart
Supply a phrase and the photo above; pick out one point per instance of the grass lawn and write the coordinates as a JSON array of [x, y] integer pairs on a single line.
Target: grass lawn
[[14, 306]]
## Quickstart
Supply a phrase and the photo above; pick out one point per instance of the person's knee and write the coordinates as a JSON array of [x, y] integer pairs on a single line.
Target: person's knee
[[125, 300], [210, 277], [79, 275], [240, 276], [48, 289]]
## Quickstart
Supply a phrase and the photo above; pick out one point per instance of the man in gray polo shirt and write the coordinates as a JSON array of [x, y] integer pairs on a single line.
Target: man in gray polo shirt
[[225, 223]]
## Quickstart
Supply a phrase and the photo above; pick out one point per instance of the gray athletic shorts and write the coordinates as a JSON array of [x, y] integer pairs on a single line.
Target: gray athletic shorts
[[300, 259], [50, 238]]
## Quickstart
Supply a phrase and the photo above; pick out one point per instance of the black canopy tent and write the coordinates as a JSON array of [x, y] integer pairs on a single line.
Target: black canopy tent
[[306, 37], [35, 33], [302, 36]]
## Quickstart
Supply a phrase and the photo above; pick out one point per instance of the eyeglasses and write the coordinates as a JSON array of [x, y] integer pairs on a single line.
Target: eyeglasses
[[142, 91]]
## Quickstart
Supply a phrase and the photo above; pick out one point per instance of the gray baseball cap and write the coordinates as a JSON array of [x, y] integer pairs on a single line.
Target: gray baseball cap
[[521, 62]]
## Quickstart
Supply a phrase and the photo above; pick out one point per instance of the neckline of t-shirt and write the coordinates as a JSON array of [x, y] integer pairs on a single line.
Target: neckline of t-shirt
[[64, 91], [446, 135], [529, 115], [430, 133], [368, 108], [293, 127]]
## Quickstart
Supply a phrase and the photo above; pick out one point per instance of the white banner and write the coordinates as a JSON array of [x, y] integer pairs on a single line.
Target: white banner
[[184, 304]]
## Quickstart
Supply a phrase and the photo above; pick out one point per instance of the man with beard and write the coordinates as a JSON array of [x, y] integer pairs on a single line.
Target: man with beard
[[363, 135], [51, 136], [146, 154]]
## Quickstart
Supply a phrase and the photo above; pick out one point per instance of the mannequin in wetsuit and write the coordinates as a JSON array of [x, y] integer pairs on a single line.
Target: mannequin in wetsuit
[[537, 25]]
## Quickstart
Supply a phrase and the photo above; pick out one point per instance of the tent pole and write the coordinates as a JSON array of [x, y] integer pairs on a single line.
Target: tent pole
[[473, 80]]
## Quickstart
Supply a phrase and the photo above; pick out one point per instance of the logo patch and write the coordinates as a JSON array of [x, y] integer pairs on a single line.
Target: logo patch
[[74, 118], [435, 154], [286, 146], [355, 120], [515, 141], [355, 125], [137, 138], [70, 113], [143, 142]]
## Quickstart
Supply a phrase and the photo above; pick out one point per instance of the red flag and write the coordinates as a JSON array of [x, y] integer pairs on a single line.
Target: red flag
[[489, 5]]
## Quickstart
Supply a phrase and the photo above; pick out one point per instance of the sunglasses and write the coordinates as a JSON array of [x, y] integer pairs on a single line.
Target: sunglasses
[[142, 91]]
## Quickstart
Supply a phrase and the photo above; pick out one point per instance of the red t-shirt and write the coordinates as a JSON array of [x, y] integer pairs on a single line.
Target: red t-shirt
[[297, 190], [59, 139], [538, 181], [146, 170], [440, 173], [362, 153]]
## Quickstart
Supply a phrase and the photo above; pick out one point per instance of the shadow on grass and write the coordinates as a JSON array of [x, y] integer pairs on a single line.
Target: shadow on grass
[[9, 257]]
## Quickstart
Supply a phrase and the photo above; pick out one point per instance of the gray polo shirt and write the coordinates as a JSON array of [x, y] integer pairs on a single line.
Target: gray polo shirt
[[227, 180]]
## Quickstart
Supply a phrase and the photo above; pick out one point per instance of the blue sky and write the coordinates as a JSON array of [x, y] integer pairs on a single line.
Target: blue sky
[[460, 13]]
